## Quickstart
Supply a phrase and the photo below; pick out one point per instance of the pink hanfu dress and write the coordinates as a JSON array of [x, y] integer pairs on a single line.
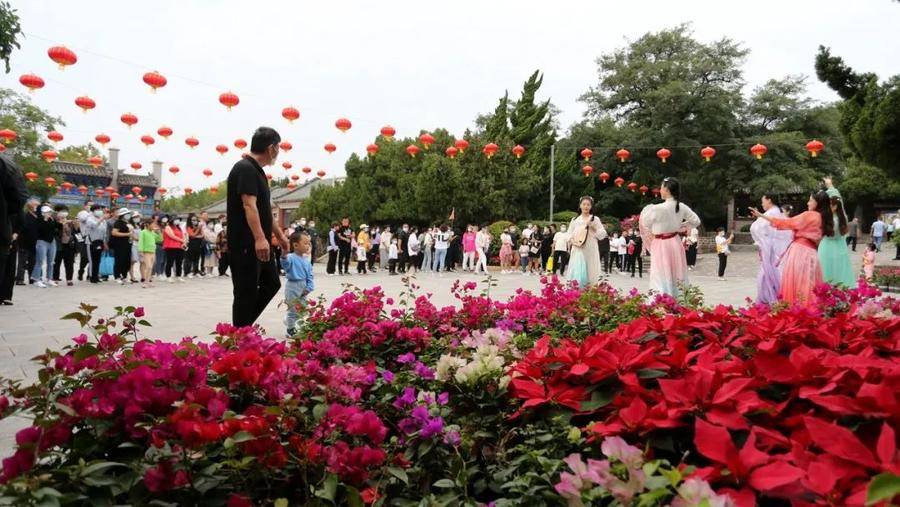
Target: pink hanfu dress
[[801, 271]]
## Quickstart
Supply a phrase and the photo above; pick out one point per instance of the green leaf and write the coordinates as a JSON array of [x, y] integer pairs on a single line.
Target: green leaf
[[65, 409], [85, 351], [651, 373], [354, 499], [319, 411], [281, 502], [444, 483], [598, 399], [329, 488], [399, 473], [99, 466], [883, 487]]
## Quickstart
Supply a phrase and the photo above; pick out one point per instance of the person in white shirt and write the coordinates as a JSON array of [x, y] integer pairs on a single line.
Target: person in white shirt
[[482, 245], [393, 253], [622, 250], [661, 226], [384, 247], [441, 244], [690, 242], [723, 249], [526, 233], [427, 243], [560, 250], [896, 224], [414, 250]]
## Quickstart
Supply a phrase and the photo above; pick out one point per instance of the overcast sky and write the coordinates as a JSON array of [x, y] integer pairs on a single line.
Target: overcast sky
[[412, 64]]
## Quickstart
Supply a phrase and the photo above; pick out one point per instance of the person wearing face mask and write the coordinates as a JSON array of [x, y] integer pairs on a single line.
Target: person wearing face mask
[[222, 248], [81, 243], [314, 240], [345, 242], [120, 244], [134, 269], [195, 246], [27, 241], [95, 231], [159, 261], [66, 245], [45, 248], [403, 248], [174, 242], [211, 261]]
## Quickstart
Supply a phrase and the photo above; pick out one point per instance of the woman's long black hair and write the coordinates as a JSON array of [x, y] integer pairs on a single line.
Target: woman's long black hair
[[823, 206], [841, 214], [674, 188]]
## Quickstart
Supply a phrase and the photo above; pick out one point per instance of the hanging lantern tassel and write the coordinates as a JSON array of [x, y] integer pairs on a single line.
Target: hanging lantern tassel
[[708, 153]]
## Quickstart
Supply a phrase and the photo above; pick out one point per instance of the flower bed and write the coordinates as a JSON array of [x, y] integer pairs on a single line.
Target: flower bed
[[562, 397], [887, 277]]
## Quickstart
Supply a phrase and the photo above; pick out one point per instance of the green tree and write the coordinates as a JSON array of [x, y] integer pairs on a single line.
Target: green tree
[[196, 201], [80, 153], [10, 30], [870, 111], [30, 123]]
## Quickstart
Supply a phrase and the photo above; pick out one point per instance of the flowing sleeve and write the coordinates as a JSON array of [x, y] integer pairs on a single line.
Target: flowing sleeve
[[690, 218], [645, 226], [834, 192], [601, 231], [807, 224]]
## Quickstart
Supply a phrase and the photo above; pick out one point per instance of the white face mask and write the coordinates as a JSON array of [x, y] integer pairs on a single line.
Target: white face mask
[[98, 213], [62, 214], [164, 220], [312, 224], [177, 222]]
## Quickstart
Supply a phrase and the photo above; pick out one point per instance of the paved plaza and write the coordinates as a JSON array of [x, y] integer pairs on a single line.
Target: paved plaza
[[194, 308]]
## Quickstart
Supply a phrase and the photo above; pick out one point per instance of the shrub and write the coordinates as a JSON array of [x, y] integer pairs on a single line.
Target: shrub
[[564, 216]]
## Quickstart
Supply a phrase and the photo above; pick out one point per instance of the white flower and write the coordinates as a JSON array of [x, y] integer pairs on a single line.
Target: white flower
[[445, 366]]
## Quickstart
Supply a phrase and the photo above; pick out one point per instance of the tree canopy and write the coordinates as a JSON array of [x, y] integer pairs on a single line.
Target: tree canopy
[[31, 124], [10, 30]]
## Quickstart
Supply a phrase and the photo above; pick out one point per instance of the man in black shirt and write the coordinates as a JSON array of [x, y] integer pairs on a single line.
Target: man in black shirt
[[345, 240], [254, 274], [13, 195], [27, 241]]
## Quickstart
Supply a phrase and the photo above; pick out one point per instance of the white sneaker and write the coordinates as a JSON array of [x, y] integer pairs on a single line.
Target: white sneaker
[[182, 279], [53, 283], [119, 281], [722, 279], [41, 284], [190, 276], [170, 279]]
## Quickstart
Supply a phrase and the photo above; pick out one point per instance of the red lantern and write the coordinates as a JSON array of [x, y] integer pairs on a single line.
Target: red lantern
[[31, 176], [321, 173], [451, 151], [62, 56], [136, 165], [50, 181], [229, 100], [287, 165], [586, 153], [2, 148], [164, 132], [188, 190], [147, 140], [663, 154], [240, 144], [388, 132], [518, 150], [142, 198], [306, 170], [644, 189], [604, 177], [161, 191], [136, 190], [372, 149], [426, 139], [32, 82], [95, 161], [268, 176], [587, 171], [623, 155], [656, 192], [99, 191], [294, 177], [214, 189], [110, 190], [632, 186], [67, 186], [343, 124], [129, 197], [290, 114], [758, 150], [222, 149], [814, 147], [619, 181], [54, 136], [155, 80], [114, 196], [102, 139], [286, 146], [291, 185], [192, 142], [9, 135], [490, 149], [413, 150], [462, 145], [330, 148], [49, 156], [128, 119], [83, 189], [708, 153], [85, 103], [174, 169], [207, 172]]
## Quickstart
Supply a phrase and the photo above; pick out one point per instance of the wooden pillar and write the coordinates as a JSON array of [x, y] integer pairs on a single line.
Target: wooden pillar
[[730, 213]]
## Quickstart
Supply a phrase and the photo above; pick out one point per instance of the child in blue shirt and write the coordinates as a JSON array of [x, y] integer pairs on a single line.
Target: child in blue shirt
[[299, 273]]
